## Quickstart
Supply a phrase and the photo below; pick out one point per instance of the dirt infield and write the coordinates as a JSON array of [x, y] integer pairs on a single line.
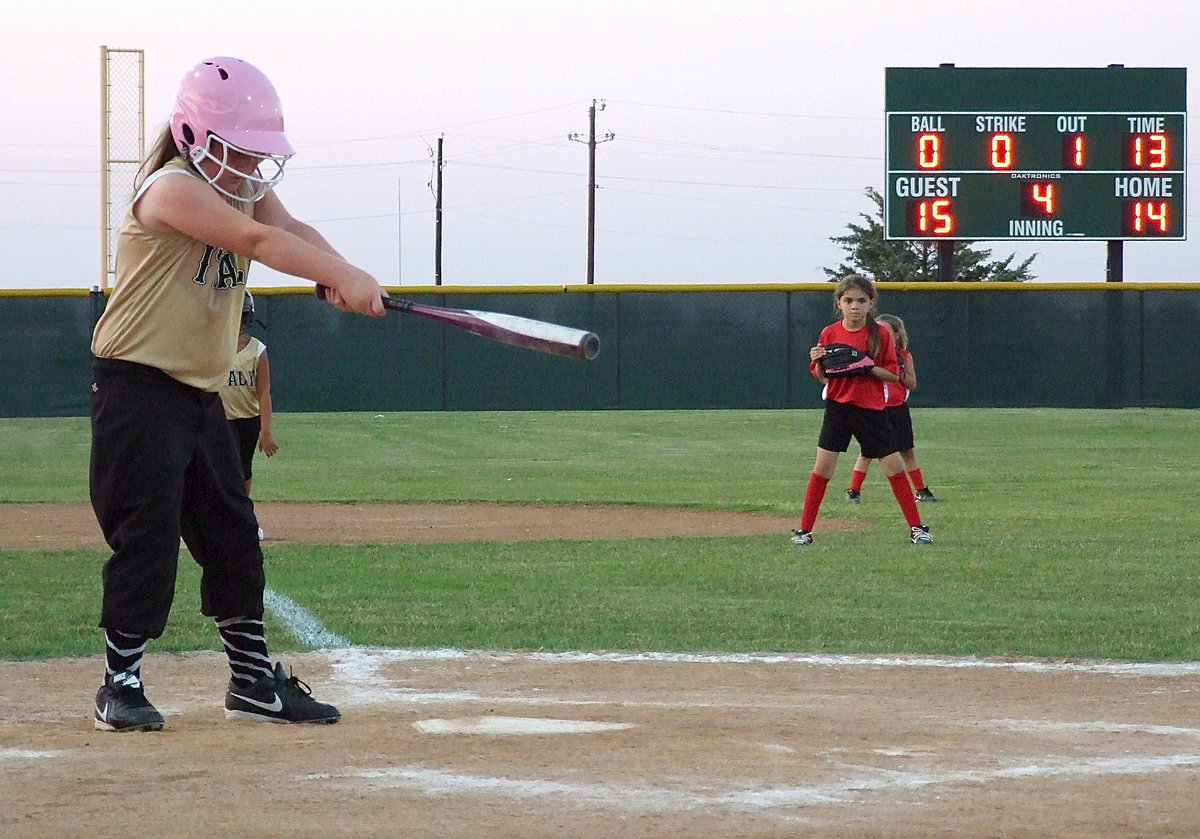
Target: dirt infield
[[63, 526], [475, 744]]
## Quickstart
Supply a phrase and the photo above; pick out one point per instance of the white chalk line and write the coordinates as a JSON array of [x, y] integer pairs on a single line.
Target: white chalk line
[[305, 627], [1097, 727], [28, 754], [358, 671], [648, 797], [360, 666]]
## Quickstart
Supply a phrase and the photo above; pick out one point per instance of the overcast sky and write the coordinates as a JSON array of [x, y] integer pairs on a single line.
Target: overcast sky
[[745, 133]]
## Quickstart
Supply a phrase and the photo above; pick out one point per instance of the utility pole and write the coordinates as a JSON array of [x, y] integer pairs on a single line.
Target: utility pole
[[591, 141], [400, 231], [437, 221]]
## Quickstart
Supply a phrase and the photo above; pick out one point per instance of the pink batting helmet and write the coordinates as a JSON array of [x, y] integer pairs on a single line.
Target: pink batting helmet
[[225, 103]]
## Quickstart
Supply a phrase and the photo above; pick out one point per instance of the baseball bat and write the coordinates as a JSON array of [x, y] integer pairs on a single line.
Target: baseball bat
[[507, 329]]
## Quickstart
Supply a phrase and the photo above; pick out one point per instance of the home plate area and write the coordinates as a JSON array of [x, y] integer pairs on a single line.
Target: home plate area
[[450, 743]]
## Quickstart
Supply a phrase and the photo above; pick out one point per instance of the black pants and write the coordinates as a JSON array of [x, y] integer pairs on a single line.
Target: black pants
[[164, 465], [246, 431]]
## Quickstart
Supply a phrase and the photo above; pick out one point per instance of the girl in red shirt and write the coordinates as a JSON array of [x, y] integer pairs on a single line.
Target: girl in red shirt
[[899, 416], [854, 407]]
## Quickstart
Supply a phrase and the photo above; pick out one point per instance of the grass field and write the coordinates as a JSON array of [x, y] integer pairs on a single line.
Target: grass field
[[1061, 534]]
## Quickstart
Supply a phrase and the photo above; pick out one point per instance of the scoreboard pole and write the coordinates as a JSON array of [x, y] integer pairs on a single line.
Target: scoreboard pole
[[947, 270], [1114, 265], [1114, 269]]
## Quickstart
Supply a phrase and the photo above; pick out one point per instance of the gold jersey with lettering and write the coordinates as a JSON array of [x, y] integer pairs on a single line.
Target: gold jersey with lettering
[[240, 391], [177, 302]]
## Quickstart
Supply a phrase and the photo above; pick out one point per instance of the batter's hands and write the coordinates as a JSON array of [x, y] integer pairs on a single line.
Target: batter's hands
[[358, 293]]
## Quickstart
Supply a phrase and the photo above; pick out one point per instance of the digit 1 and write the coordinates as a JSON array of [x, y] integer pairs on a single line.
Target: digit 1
[[923, 217], [1074, 151]]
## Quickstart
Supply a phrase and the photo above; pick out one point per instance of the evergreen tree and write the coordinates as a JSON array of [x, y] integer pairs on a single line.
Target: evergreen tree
[[915, 261]]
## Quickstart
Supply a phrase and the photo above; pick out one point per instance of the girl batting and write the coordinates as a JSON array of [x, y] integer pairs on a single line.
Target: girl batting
[[164, 463], [854, 407], [899, 416]]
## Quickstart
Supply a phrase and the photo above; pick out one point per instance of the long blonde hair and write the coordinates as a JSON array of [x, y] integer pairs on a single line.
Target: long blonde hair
[[867, 287], [160, 152], [898, 330]]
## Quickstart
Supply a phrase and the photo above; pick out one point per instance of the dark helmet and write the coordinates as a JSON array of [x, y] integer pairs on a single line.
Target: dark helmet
[[247, 311]]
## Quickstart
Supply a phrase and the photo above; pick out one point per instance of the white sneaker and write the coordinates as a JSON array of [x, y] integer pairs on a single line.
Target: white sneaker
[[800, 538], [261, 536]]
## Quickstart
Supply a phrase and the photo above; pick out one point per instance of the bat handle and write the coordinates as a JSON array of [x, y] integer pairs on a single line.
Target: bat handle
[[396, 304], [388, 302]]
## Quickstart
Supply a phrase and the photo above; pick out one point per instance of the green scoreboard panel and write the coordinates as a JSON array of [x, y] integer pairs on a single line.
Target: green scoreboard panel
[[1036, 153]]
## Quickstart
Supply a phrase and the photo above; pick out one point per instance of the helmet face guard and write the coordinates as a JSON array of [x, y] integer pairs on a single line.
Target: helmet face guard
[[247, 311], [217, 150], [225, 105]]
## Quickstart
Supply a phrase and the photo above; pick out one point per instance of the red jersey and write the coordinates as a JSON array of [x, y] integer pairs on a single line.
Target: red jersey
[[864, 391], [897, 394]]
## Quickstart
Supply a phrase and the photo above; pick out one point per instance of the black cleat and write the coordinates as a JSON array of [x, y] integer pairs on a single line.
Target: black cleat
[[925, 494], [121, 705], [278, 698], [853, 496]]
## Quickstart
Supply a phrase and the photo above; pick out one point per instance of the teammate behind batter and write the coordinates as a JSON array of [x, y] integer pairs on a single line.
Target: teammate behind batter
[[899, 416], [854, 407], [164, 464], [246, 396]]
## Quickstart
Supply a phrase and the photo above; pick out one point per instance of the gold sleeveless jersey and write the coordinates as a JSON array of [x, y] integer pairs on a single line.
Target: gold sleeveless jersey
[[176, 302], [239, 393]]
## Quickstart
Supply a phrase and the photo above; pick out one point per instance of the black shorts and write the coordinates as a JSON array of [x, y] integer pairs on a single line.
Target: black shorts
[[871, 429], [163, 466], [246, 432], [901, 420]]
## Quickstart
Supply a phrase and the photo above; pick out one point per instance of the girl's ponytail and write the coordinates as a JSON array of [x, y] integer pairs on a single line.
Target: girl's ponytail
[[872, 336]]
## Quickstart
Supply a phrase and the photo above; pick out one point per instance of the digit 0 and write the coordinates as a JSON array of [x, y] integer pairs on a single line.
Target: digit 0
[[929, 151], [1002, 151]]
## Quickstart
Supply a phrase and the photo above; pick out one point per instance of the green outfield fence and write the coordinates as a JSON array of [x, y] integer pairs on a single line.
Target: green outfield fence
[[1087, 345]]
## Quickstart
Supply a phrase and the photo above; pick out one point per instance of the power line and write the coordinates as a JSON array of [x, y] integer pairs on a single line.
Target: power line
[[414, 134], [746, 113]]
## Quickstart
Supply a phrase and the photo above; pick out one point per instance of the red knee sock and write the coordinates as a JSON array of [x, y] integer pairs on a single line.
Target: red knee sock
[[813, 496], [904, 494], [917, 481], [856, 480]]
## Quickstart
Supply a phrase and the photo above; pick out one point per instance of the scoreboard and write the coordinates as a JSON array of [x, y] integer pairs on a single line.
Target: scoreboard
[[1036, 153]]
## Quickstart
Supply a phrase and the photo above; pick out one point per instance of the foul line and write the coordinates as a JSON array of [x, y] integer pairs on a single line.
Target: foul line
[[309, 630], [301, 623]]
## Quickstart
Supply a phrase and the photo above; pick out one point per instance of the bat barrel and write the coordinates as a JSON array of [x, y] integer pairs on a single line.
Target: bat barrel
[[507, 329], [589, 346]]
